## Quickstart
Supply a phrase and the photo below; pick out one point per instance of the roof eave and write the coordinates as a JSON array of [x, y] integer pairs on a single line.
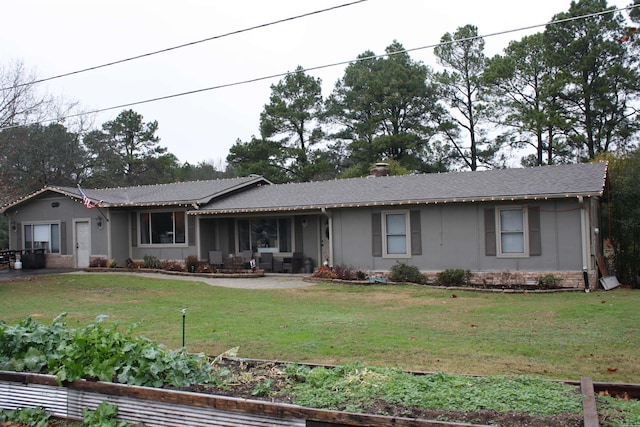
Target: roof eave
[[513, 198]]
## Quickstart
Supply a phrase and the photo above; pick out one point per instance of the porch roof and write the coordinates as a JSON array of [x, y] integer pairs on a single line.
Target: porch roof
[[495, 185], [191, 193]]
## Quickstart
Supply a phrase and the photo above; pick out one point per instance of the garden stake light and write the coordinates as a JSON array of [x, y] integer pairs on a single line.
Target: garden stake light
[[184, 314]]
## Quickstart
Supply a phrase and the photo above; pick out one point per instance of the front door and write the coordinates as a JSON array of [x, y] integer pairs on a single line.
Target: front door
[[83, 244]]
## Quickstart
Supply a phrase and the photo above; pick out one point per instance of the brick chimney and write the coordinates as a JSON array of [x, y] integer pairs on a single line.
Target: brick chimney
[[381, 169]]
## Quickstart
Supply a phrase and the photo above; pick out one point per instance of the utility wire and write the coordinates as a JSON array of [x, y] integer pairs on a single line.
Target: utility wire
[[144, 55], [273, 76]]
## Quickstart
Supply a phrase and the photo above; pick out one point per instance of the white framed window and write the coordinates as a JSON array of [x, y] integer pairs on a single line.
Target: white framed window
[[162, 228], [42, 236], [396, 241], [265, 234], [512, 226]]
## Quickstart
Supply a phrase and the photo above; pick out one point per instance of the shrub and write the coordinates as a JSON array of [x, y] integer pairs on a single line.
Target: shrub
[[172, 266], [98, 262], [548, 281], [191, 262], [344, 272], [133, 264], [204, 267], [324, 272], [454, 276], [361, 275], [402, 272], [149, 261], [112, 263]]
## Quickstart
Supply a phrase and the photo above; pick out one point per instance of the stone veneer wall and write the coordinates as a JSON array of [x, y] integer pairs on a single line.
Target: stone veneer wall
[[58, 261], [570, 279]]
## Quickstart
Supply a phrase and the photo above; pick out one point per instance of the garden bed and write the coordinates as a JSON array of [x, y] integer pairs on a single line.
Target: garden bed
[[248, 401], [158, 387], [220, 273]]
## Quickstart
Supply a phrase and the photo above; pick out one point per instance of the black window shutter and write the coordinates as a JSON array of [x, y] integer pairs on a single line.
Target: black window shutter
[[416, 233], [134, 229], [63, 238], [376, 234], [231, 235], [535, 241], [490, 232]]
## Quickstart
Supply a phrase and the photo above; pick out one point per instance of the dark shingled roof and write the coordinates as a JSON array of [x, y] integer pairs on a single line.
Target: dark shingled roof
[[178, 193], [168, 194], [503, 184]]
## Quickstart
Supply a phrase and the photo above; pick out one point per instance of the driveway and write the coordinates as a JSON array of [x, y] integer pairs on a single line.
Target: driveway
[[269, 281]]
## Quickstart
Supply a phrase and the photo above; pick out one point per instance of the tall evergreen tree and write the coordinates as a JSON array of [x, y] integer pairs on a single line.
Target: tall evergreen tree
[[520, 94], [126, 152], [292, 116], [598, 78], [385, 109], [462, 55]]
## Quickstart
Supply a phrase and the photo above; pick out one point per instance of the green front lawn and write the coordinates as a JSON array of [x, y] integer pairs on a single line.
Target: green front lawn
[[558, 336]]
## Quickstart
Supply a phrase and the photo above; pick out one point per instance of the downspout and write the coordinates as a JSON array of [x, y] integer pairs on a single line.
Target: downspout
[[584, 232], [330, 220]]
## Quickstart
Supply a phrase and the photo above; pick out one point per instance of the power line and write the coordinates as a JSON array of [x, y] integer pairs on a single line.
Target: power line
[[273, 76], [144, 55]]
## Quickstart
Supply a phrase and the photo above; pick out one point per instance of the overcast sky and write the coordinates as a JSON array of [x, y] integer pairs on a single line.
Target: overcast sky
[[53, 37]]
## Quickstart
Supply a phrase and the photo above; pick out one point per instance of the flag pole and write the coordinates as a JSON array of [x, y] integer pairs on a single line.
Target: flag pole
[[87, 202]]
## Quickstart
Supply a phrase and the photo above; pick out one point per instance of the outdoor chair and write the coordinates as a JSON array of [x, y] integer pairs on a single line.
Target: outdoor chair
[[215, 258], [293, 264], [266, 261], [278, 265], [246, 256]]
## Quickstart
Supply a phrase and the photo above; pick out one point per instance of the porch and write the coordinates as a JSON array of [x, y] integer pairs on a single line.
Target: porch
[[290, 244]]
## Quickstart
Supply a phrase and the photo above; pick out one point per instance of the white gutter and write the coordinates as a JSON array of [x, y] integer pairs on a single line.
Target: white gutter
[[584, 233]]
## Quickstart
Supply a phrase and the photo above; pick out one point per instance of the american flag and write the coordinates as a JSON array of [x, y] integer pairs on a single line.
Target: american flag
[[86, 201]]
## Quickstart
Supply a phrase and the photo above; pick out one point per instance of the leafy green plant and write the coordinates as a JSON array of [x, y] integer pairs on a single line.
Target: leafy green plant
[[26, 346], [548, 281], [96, 352], [402, 272], [103, 416], [106, 354], [31, 417], [150, 261], [619, 412], [353, 387], [454, 277], [263, 388]]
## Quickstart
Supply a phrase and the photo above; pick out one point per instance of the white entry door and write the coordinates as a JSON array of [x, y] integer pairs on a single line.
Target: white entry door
[[83, 244]]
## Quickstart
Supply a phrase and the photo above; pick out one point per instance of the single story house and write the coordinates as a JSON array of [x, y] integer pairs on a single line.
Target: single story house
[[496, 223]]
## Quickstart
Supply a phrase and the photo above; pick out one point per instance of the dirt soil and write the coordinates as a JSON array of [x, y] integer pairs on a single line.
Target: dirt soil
[[248, 374]]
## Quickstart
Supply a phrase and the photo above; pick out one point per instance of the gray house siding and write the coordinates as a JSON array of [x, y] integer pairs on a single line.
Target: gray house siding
[[56, 209], [453, 236], [119, 229]]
